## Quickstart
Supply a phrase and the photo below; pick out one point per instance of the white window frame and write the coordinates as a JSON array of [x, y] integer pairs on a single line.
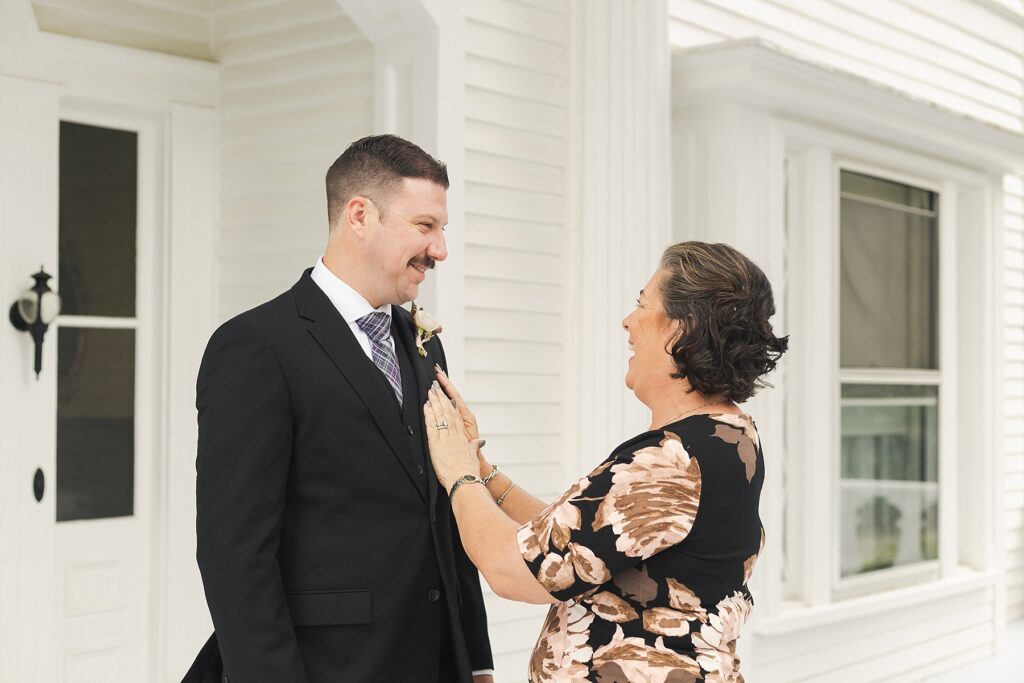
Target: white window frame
[[815, 156], [929, 570]]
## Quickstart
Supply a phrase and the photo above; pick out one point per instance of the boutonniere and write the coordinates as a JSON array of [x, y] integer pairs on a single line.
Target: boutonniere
[[426, 327]]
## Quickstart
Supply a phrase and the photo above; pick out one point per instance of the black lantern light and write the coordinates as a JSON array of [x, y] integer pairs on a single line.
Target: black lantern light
[[33, 312]]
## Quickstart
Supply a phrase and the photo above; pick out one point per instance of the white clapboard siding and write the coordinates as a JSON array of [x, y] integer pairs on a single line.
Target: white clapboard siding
[[958, 54], [900, 646], [516, 297], [177, 27], [297, 88], [1013, 392]]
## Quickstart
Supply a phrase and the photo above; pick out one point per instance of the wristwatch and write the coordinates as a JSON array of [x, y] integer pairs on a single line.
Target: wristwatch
[[465, 479]]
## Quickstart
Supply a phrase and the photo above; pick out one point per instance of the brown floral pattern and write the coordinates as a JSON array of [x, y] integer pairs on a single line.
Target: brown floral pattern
[[650, 555]]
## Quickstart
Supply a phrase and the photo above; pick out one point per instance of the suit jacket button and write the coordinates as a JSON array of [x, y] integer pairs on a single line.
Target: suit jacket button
[[433, 595], [408, 428], [419, 468]]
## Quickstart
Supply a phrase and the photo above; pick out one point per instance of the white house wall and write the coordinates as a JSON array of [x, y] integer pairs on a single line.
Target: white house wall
[[297, 79], [957, 53], [962, 55], [516, 140]]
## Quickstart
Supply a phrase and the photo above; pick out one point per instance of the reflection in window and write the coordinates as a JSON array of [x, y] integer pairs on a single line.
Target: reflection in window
[[98, 204], [889, 459], [95, 423], [889, 492]]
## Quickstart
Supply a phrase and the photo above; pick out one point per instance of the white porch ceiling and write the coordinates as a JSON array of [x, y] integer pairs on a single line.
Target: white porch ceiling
[[177, 27], [186, 28]]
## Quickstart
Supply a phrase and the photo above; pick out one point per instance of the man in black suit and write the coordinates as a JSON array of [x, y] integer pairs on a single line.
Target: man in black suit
[[327, 548]]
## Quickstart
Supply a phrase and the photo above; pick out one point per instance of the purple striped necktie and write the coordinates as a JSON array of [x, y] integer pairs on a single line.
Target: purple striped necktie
[[377, 326]]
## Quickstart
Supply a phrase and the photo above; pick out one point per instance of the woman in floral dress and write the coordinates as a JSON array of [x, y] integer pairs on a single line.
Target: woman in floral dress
[[646, 559]]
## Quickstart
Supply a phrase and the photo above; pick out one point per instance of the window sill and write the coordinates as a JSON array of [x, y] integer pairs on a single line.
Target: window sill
[[798, 617]]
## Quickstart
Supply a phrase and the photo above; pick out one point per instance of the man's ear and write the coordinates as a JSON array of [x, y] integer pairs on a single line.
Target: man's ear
[[357, 214]]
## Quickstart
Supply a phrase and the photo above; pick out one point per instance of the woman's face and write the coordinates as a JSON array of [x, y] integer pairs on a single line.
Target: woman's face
[[649, 333]]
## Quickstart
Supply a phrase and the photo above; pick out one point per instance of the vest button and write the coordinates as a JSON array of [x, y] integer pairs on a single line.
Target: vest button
[[409, 429], [419, 468], [433, 595]]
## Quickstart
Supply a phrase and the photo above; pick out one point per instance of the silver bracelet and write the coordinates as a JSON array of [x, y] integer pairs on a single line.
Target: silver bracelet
[[465, 479], [491, 475], [501, 498]]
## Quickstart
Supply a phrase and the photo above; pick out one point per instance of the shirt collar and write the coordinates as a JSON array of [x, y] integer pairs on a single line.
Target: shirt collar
[[350, 303]]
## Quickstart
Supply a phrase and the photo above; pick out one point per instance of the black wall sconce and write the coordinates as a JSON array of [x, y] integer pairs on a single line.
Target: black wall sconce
[[33, 312]]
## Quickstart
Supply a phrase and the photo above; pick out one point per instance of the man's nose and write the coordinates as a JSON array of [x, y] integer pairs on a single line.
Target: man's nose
[[438, 249]]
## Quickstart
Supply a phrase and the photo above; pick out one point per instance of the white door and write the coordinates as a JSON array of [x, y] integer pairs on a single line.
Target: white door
[[105, 403]]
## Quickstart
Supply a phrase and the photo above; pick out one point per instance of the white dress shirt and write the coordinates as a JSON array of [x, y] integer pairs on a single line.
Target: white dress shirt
[[353, 306], [350, 303]]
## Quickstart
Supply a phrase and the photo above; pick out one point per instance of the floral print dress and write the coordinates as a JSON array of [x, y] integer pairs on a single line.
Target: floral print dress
[[650, 555]]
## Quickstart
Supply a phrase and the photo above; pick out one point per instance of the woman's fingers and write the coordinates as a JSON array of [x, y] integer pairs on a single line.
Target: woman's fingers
[[429, 417], [460, 404], [447, 386], [442, 410], [449, 412]]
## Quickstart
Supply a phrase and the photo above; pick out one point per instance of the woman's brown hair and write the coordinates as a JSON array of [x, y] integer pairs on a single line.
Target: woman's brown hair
[[723, 302]]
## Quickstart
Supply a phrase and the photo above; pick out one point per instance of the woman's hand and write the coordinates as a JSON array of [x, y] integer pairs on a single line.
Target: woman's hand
[[451, 452], [467, 416]]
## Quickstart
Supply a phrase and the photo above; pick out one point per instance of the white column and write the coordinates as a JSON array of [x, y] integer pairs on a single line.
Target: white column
[[419, 94], [621, 220], [729, 185], [191, 313], [28, 237]]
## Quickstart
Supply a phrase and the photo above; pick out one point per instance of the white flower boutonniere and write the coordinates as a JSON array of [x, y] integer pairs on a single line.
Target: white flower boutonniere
[[426, 327]]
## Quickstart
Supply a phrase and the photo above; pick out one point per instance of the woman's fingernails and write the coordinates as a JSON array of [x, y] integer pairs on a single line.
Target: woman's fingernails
[[481, 443], [437, 366]]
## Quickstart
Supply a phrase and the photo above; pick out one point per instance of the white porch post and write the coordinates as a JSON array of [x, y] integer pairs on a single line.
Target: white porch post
[[28, 237], [729, 186], [191, 312], [419, 94], [622, 218]]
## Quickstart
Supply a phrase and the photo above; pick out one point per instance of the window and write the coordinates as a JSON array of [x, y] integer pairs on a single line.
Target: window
[[96, 335], [889, 375]]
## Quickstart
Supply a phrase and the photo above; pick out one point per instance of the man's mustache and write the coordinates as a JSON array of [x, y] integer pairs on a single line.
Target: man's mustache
[[425, 262]]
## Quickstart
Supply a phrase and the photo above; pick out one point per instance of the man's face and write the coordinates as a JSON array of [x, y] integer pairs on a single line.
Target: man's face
[[408, 237]]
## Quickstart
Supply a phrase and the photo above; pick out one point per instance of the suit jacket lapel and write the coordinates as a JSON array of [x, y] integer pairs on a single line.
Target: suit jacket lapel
[[333, 335], [404, 333]]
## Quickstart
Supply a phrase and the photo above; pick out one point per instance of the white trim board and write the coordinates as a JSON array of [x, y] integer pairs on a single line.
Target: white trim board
[[754, 72]]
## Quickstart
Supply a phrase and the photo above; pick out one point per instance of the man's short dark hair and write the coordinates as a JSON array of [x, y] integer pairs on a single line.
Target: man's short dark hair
[[374, 167]]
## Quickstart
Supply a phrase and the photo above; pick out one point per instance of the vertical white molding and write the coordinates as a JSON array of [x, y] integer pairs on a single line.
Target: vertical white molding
[[29, 153], [621, 61], [419, 87], [812, 368], [952, 263], [729, 184], [994, 482], [191, 308], [447, 106]]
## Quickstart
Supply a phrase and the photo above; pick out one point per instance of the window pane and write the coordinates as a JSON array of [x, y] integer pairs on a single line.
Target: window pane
[[889, 261], [95, 423], [889, 491], [98, 196]]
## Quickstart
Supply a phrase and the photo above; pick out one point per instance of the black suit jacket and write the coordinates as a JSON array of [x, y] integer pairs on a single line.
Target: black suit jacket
[[327, 549]]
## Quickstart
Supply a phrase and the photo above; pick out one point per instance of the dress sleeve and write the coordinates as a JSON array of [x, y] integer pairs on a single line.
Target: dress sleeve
[[628, 509]]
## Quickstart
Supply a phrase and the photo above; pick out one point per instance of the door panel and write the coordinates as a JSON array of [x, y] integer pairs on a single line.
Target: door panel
[[102, 547]]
